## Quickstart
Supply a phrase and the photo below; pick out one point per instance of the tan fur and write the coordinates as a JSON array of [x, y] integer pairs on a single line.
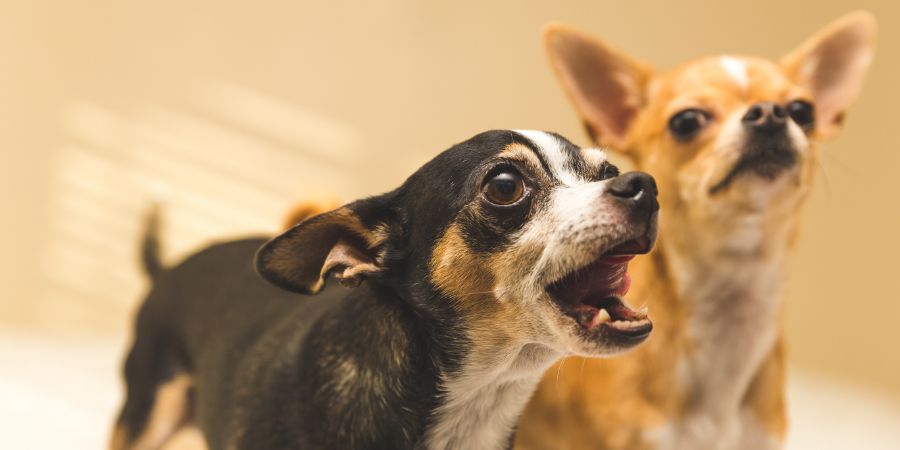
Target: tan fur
[[765, 397], [519, 152], [187, 438], [641, 399], [309, 208], [471, 280], [169, 414], [119, 439], [456, 270]]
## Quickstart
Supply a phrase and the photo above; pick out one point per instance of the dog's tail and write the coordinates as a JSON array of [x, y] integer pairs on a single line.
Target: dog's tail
[[309, 208], [150, 259]]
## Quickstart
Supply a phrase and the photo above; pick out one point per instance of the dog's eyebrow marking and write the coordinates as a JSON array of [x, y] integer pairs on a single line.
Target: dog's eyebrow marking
[[594, 156], [554, 154], [736, 69], [526, 153]]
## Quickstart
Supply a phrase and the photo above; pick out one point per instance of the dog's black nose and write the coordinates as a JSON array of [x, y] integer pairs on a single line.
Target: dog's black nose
[[634, 186], [765, 116]]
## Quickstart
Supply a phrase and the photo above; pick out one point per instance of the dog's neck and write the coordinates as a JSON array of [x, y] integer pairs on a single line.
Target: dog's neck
[[454, 392], [730, 290], [484, 398]]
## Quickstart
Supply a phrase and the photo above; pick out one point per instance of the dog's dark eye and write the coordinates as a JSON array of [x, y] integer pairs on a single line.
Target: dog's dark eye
[[685, 124], [504, 188], [802, 112]]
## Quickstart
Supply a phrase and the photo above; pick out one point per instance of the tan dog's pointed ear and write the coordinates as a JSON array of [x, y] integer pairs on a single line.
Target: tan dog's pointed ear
[[348, 242], [606, 86], [832, 65]]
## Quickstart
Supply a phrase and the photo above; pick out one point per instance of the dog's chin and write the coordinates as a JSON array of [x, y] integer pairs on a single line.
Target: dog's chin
[[624, 330], [762, 162], [589, 302]]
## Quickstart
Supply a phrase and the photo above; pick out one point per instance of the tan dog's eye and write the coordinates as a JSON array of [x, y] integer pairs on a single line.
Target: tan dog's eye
[[685, 124], [504, 188], [802, 113]]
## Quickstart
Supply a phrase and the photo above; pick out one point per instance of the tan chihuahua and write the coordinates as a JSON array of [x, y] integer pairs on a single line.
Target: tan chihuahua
[[732, 142]]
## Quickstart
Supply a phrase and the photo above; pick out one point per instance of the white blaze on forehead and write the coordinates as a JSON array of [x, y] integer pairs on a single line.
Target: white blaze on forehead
[[736, 69], [552, 150]]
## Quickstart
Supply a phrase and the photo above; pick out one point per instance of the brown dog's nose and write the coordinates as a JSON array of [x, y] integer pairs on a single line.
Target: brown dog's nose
[[765, 116], [637, 187]]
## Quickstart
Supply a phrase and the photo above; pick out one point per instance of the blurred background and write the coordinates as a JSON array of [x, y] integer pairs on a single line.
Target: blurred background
[[229, 112]]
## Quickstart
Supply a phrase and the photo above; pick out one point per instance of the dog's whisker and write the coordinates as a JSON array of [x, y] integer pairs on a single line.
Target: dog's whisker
[[581, 372], [827, 181], [835, 159], [559, 369]]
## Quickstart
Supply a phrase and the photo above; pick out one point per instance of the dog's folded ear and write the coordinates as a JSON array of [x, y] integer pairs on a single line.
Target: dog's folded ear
[[348, 243], [606, 86], [832, 65]]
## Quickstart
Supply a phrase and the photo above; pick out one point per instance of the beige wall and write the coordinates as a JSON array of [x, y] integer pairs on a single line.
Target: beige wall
[[228, 113]]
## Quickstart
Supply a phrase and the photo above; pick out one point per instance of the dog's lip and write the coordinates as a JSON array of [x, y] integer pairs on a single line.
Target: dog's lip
[[611, 318], [766, 164], [615, 257], [628, 249]]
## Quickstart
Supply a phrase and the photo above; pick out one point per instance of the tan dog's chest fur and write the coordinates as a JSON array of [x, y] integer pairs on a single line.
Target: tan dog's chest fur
[[712, 374], [660, 392]]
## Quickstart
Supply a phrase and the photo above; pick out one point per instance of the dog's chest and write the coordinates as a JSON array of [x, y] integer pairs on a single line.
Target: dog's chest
[[731, 328], [482, 418], [740, 431], [484, 400]]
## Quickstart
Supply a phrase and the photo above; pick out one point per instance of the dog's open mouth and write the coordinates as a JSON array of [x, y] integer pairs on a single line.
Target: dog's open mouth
[[592, 295]]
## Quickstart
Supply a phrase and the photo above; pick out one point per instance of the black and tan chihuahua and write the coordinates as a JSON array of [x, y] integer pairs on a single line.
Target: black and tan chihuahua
[[494, 260]]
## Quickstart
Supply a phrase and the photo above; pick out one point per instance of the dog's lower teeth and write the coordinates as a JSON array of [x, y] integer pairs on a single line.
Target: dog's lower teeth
[[626, 323], [642, 313]]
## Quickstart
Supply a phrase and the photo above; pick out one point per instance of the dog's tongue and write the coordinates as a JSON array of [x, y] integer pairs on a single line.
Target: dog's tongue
[[605, 278]]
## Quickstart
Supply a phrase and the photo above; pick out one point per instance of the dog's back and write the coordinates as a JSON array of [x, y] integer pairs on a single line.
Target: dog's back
[[189, 358]]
